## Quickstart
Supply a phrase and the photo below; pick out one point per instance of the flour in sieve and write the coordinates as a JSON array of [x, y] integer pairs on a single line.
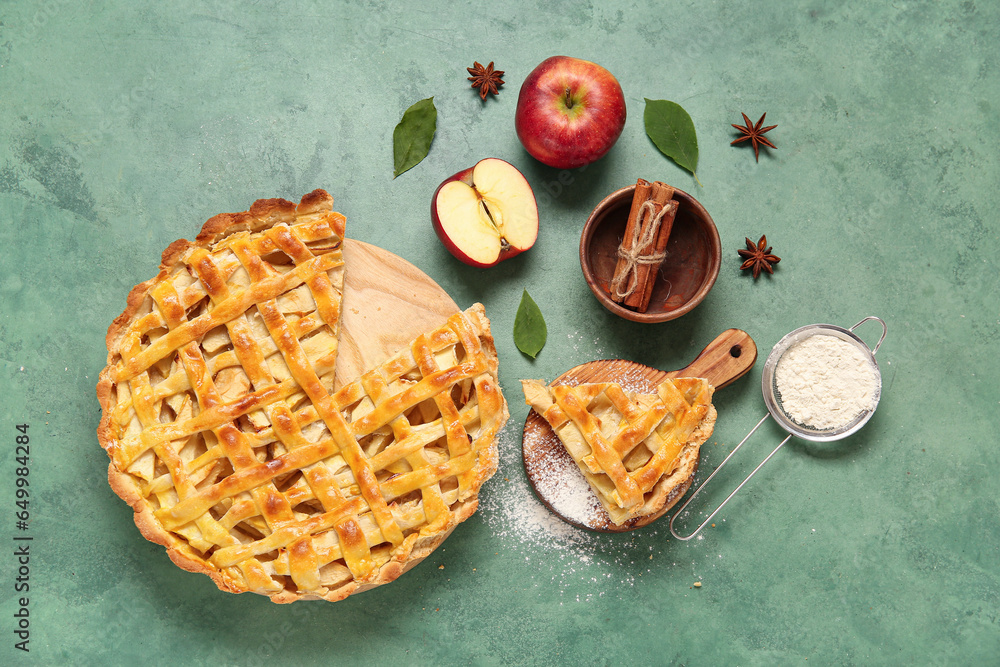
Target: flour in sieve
[[825, 382]]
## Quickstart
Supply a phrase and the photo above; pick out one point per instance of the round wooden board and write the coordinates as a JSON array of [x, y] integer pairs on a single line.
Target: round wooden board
[[387, 303], [551, 470]]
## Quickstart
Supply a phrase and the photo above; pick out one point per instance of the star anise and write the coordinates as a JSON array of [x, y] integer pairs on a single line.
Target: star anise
[[486, 79], [755, 133], [758, 257]]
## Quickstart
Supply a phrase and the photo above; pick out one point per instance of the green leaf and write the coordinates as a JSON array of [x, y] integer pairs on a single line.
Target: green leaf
[[672, 130], [529, 327], [413, 135]]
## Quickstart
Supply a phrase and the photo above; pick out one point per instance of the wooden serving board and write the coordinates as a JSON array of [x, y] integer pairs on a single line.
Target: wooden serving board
[[387, 303], [554, 475]]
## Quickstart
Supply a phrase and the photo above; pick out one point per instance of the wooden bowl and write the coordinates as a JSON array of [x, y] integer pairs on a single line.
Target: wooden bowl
[[694, 254]]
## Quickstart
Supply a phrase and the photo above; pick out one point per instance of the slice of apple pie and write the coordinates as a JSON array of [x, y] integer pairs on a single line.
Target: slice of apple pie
[[228, 440], [635, 450]]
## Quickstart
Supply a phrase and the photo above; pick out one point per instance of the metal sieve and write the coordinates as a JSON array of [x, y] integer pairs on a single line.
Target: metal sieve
[[772, 399]]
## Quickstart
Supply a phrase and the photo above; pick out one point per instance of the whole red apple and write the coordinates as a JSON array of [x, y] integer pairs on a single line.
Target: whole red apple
[[486, 213], [570, 112]]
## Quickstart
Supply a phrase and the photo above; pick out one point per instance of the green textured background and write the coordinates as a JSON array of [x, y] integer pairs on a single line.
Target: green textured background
[[124, 127]]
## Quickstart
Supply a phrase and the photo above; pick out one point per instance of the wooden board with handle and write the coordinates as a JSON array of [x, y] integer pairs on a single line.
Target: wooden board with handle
[[387, 303], [730, 356]]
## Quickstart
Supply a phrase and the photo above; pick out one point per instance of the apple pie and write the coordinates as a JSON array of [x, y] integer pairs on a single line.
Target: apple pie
[[635, 450], [229, 440]]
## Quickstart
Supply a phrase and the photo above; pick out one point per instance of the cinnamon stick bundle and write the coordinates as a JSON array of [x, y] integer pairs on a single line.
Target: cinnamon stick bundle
[[643, 247]]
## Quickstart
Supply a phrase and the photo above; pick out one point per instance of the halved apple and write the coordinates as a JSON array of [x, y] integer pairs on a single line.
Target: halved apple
[[485, 214]]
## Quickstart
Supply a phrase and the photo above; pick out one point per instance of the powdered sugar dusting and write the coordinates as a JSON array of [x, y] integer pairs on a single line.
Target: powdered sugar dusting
[[513, 511], [635, 379], [558, 480], [552, 556], [576, 338], [584, 565]]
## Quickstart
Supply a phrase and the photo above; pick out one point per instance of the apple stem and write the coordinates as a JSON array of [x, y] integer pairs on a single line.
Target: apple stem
[[569, 98]]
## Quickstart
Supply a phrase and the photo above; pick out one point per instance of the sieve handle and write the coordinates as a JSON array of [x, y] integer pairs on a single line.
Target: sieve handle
[[714, 473], [885, 330]]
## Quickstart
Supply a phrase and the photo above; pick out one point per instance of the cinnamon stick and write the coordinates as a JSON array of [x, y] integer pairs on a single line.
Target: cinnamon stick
[[635, 273], [662, 196], [621, 283]]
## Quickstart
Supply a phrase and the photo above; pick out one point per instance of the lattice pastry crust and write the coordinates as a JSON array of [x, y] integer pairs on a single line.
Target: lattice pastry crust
[[228, 440], [634, 449]]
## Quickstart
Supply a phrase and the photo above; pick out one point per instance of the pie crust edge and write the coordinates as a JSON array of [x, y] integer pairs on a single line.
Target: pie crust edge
[[263, 213], [686, 467]]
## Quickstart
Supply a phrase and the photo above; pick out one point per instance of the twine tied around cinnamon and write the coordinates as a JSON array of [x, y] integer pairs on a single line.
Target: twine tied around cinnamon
[[643, 235]]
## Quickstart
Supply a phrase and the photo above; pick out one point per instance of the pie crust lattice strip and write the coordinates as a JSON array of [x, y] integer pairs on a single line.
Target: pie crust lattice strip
[[635, 450], [228, 440]]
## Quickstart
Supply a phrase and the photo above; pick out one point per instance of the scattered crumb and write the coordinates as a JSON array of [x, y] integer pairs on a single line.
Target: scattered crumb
[[440, 567], [697, 584]]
